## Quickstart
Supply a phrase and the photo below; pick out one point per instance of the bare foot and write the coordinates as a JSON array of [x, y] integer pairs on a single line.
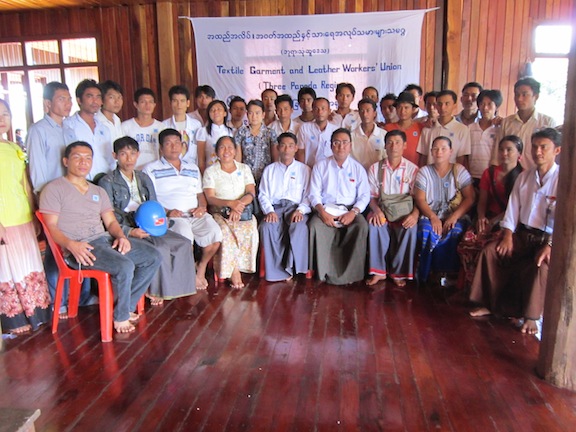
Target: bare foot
[[124, 326], [63, 315], [20, 330], [288, 279], [236, 280], [374, 279], [399, 282], [529, 327], [201, 281], [155, 301], [479, 312], [134, 317]]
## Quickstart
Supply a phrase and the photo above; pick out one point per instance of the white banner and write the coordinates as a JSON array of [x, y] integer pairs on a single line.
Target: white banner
[[246, 55]]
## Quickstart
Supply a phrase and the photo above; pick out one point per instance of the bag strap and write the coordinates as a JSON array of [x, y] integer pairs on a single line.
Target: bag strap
[[455, 175]]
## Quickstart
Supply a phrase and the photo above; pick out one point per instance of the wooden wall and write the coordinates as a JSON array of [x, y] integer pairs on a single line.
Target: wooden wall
[[147, 45], [126, 35], [496, 40]]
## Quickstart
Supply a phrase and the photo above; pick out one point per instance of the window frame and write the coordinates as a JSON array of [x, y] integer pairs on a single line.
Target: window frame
[[61, 66]]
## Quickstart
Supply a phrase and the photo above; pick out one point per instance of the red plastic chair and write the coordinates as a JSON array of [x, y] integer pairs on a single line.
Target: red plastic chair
[[105, 293]]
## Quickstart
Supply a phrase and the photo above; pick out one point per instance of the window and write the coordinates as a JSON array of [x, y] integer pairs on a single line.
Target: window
[[550, 67], [27, 65]]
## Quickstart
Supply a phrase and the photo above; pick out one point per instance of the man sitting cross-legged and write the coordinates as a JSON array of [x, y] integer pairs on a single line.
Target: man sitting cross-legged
[[178, 186], [127, 189], [284, 202], [81, 220]]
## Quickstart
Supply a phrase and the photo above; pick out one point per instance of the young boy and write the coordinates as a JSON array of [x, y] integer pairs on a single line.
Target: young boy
[[203, 95], [367, 138], [269, 97], [112, 102], [144, 128], [344, 116], [284, 110], [526, 120], [127, 189], [237, 108], [306, 97], [446, 126], [183, 123]]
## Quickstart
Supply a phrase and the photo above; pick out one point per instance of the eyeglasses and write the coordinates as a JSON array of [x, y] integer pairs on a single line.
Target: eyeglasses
[[340, 143]]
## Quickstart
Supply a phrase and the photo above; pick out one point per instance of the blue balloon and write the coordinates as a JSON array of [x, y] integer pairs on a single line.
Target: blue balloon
[[151, 217]]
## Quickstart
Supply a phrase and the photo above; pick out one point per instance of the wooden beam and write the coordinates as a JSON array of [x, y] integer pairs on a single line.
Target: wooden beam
[[167, 52], [453, 42], [557, 361]]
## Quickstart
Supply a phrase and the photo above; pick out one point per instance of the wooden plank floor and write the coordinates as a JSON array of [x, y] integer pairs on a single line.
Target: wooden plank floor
[[298, 356]]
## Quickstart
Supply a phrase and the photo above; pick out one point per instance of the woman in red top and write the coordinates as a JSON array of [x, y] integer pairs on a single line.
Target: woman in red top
[[495, 187]]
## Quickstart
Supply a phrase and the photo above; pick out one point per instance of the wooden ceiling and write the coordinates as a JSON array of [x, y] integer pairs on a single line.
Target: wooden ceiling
[[19, 5]]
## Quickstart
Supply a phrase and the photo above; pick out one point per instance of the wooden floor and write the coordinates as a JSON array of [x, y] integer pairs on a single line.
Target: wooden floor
[[298, 356]]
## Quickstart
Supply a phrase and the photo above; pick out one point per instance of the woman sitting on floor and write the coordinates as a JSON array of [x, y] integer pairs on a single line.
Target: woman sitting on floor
[[443, 193], [24, 298], [230, 191], [495, 188], [128, 189]]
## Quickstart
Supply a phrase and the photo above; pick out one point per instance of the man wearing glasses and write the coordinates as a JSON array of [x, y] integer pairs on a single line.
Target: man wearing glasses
[[339, 193]]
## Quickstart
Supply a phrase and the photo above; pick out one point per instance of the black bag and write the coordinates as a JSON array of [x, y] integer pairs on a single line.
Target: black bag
[[245, 216]]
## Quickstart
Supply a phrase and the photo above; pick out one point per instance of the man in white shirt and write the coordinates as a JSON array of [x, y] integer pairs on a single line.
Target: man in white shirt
[[367, 138], [45, 139], [314, 137], [445, 126], [339, 193], [237, 109], [526, 120], [417, 92], [112, 102], [144, 128], [46, 146], [178, 186], [306, 97], [284, 110], [268, 98], [344, 116], [470, 112], [284, 202], [515, 268], [203, 95], [84, 126], [182, 122]]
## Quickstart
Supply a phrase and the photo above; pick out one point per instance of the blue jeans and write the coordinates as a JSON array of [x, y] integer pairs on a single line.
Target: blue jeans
[[131, 273], [51, 270]]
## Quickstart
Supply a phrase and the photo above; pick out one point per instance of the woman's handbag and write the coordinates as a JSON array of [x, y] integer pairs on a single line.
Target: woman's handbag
[[245, 216], [455, 202]]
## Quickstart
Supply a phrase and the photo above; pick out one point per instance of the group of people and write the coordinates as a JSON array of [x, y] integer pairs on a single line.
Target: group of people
[[349, 194]]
